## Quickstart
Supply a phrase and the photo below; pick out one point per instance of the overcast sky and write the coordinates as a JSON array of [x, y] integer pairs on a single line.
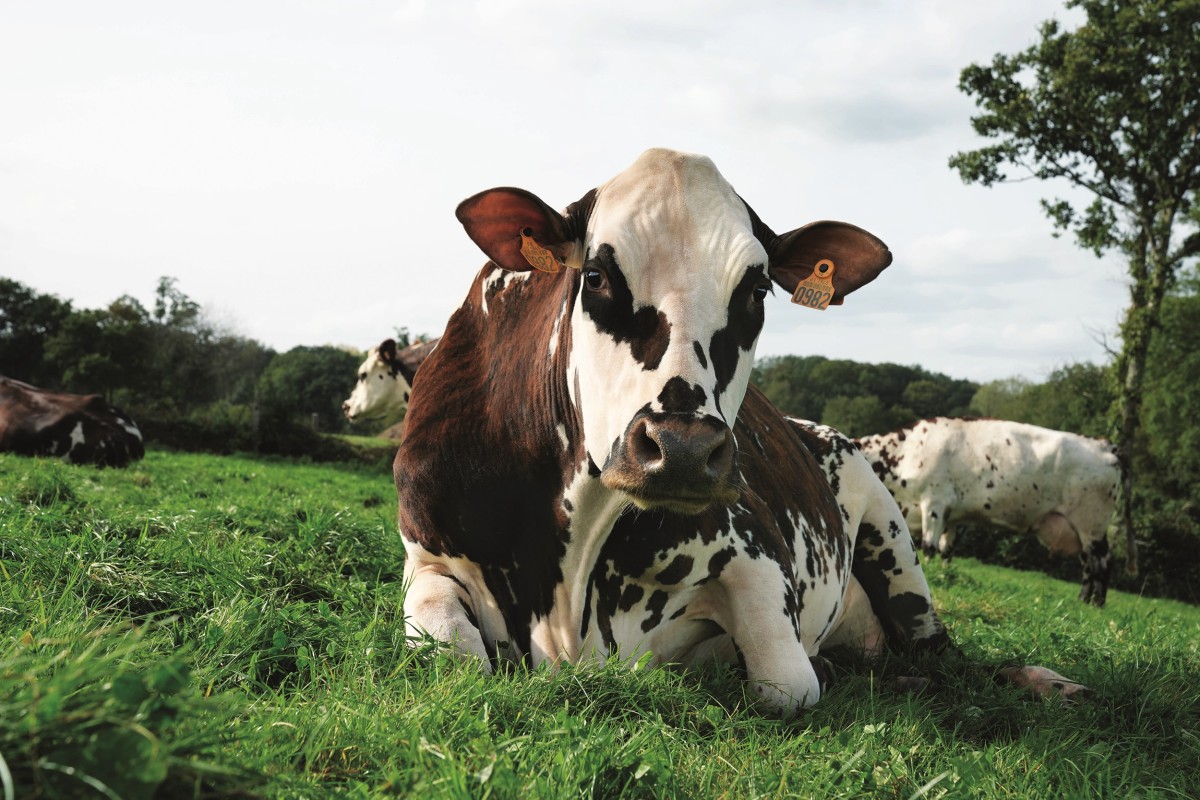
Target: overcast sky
[[296, 165]]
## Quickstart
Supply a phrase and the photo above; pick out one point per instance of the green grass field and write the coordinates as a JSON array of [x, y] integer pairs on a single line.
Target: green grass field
[[202, 626]]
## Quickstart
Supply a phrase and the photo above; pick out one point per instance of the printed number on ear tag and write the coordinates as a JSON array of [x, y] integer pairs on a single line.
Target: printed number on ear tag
[[816, 290], [537, 256]]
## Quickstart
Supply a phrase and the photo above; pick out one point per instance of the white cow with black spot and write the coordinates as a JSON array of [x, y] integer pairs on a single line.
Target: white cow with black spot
[[588, 473], [949, 473]]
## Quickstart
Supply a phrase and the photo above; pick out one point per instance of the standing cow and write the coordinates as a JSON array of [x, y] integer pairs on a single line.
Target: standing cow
[[948, 473], [385, 380], [585, 470], [81, 429]]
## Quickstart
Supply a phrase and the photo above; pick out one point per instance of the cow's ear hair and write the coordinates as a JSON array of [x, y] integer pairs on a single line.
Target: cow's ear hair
[[858, 256], [387, 351], [495, 219]]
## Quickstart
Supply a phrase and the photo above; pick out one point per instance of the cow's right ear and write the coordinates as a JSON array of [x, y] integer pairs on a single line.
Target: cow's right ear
[[496, 218], [387, 351]]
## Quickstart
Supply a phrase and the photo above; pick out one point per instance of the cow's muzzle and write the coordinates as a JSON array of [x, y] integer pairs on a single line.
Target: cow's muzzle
[[678, 463]]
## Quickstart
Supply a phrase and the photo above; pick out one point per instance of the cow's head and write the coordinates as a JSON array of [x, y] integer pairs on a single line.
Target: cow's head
[[383, 385], [669, 270]]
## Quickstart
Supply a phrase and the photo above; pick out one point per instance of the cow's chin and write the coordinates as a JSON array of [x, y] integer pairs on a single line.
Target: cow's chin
[[723, 495]]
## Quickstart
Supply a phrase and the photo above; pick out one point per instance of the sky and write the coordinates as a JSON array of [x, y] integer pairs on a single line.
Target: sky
[[295, 166]]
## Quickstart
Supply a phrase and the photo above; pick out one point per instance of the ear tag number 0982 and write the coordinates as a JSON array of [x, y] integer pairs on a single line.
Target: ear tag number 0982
[[538, 257], [816, 290]]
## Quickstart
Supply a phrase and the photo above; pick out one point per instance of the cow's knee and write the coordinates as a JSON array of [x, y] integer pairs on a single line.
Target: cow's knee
[[437, 605], [788, 700]]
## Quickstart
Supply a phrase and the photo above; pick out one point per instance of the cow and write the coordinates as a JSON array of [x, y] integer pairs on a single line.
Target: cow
[[385, 380], [948, 473], [81, 429], [587, 472], [869, 510], [865, 505]]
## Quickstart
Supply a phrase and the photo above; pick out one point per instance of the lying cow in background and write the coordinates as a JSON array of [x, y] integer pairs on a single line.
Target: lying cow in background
[[81, 429], [586, 471], [949, 473], [385, 380]]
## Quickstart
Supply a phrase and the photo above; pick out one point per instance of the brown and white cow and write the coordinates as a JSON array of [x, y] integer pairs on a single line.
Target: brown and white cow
[[82, 429], [586, 471], [949, 473], [385, 380]]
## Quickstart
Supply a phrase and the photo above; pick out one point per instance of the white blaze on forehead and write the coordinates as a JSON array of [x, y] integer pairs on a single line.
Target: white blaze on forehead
[[77, 436], [683, 241]]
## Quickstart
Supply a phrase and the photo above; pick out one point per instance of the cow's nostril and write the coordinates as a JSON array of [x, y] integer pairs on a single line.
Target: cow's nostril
[[646, 450], [721, 457]]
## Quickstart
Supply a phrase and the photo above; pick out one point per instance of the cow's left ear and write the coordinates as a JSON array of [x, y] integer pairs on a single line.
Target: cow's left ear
[[495, 220], [858, 256]]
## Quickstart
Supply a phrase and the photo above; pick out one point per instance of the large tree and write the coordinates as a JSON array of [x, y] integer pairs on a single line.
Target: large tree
[[1112, 108], [27, 319]]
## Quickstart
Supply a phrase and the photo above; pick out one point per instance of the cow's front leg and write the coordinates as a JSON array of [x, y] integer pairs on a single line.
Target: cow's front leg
[[438, 604], [1095, 557], [886, 564], [759, 611], [932, 526]]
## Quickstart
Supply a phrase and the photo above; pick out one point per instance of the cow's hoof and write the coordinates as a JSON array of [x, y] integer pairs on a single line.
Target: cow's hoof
[[1043, 683], [824, 669], [1093, 593]]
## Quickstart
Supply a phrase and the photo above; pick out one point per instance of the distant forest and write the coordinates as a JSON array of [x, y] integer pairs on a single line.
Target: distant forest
[[192, 385]]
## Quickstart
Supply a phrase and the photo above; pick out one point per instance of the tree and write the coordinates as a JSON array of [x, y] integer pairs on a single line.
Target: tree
[[27, 319], [1112, 108], [1173, 394], [104, 351], [1002, 399], [856, 416], [309, 380]]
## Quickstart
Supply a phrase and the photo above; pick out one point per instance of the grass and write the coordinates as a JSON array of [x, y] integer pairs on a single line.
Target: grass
[[202, 626]]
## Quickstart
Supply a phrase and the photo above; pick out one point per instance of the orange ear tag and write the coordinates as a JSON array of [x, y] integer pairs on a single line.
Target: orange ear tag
[[537, 256], [816, 290]]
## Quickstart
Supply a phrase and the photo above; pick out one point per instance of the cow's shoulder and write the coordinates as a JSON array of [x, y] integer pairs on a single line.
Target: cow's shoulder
[[780, 471], [488, 450]]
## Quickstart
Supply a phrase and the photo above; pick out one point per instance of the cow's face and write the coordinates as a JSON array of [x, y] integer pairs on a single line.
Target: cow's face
[[671, 272], [382, 388], [669, 307]]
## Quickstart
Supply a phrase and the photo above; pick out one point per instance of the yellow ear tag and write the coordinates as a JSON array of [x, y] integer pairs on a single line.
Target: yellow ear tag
[[816, 290], [537, 256]]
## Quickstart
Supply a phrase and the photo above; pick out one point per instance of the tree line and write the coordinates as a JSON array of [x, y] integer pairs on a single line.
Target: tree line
[[185, 380], [191, 385]]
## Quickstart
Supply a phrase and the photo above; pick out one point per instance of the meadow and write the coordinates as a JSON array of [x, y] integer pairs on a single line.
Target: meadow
[[206, 626]]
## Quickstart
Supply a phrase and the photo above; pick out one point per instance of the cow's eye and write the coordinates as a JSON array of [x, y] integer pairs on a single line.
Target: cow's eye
[[362, 376], [594, 280], [761, 291]]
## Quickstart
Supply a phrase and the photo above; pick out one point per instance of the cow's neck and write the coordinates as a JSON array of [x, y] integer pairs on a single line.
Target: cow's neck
[[587, 510], [593, 512]]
